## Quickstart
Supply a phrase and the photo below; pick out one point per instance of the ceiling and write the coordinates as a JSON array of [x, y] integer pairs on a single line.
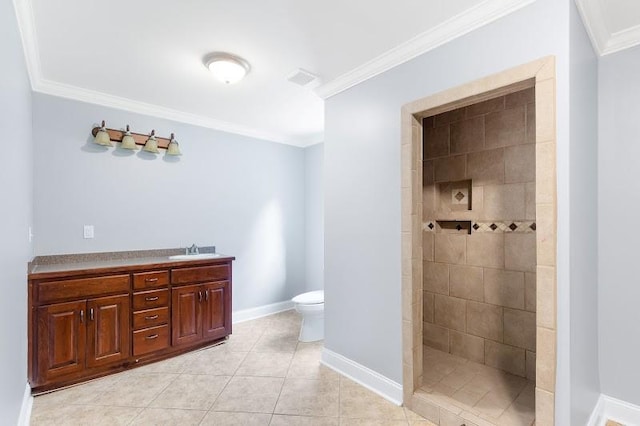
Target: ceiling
[[146, 56], [613, 25]]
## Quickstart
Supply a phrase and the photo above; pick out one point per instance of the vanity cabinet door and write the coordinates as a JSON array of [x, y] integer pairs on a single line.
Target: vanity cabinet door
[[216, 319], [186, 314], [108, 336], [61, 340]]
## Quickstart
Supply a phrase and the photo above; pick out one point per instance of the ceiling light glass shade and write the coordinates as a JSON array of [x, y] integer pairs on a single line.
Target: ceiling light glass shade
[[174, 147], [227, 68], [102, 137], [151, 145], [127, 141]]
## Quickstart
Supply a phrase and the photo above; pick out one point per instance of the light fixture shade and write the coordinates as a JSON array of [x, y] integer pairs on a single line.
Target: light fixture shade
[[227, 68], [152, 144], [127, 141], [174, 147], [102, 136]]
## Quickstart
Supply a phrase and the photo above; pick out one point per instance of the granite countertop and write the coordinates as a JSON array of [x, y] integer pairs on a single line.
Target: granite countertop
[[83, 263]]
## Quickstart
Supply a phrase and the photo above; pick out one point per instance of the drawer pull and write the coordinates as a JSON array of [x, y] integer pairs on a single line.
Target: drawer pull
[[151, 337], [151, 299], [152, 317], [150, 280]]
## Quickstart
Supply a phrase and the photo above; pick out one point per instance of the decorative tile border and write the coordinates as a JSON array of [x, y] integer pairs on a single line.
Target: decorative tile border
[[511, 227]]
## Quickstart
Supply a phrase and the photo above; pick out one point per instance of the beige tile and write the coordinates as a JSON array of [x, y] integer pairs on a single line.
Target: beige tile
[[371, 422], [545, 110], [449, 117], [425, 408], [530, 359], [504, 357], [545, 408], [520, 163], [467, 346], [168, 417], [520, 252], [484, 320], [436, 142], [448, 418], [305, 397], [468, 397], [135, 390], [530, 201], [428, 306], [286, 420], [517, 415], [467, 135], [306, 365], [504, 202], [428, 246], [484, 249], [521, 97], [505, 128], [216, 361], [436, 337], [546, 359], [493, 404], [232, 419], [451, 248], [85, 415], [436, 277], [265, 364], [465, 282], [81, 394], [277, 341], [193, 392], [531, 123], [546, 234], [486, 167], [520, 329], [428, 172], [450, 169], [450, 312], [530, 287], [504, 288], [545, 172], [429, 202], [250, 394], [546, 297], [485, 107], [358, 402]]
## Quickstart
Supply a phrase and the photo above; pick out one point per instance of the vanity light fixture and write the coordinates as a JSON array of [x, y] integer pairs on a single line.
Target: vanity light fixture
[[174, 147], [226, 67], [128, 142], [151, 145], [102, 136]]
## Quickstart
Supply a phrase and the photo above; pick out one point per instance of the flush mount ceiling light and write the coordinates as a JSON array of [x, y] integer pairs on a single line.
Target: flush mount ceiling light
[[226, 67]]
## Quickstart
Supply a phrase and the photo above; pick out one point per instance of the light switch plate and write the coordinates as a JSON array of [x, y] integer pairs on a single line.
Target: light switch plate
[[88, 231]]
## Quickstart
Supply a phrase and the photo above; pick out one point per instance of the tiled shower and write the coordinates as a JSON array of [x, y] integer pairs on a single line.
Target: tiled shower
[[479, 254]]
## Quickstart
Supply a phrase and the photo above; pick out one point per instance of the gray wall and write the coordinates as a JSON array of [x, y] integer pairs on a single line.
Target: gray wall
[[314, 213], [15, 214], [243, 195], [619, 202], [585, 382], [362, 185]]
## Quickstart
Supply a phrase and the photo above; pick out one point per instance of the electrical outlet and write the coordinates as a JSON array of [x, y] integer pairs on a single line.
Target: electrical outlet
[[88, 231]]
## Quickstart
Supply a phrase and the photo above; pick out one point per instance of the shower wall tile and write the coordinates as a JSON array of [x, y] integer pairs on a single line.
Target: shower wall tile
[[530, 201], [531, 123], [428, 246], [520, 329], [467, 346], [546, 297], [466, 282], [518, 164], [486, 167], [450, 312], [428, 172], [505, 128], [504, 288], [450, 169], [492, 105], [484, 249], [428, 306], [436, 277], [449, 117], [504, 357], [530, 359], [436, 142], [530, 288], [428, 201], [467, 135], [520, 252], [484, 320], [451, 248], [506, 202], [523, 97], [436, 337]]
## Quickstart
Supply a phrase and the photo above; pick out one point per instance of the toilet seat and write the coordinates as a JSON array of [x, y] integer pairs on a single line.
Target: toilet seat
[[310, 298]]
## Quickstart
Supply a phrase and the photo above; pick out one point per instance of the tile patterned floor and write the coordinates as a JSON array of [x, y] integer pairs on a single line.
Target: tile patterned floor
[[492, 395], [261, 376]]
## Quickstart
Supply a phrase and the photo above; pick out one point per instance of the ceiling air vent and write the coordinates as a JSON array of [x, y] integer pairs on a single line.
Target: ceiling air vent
[[302, 77]]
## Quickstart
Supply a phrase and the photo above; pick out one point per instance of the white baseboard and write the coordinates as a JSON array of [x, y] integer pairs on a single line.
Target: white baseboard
[[609, 408], [260, 311], [25, 410], [376, 382]]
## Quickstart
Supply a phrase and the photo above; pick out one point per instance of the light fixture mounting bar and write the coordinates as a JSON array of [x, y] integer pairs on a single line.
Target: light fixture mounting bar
[[140, 138]]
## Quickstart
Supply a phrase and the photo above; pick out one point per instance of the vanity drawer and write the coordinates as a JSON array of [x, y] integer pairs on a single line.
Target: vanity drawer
[[150, 339], [200, 274], [153, 279], [150, 299], [150, 317], [82, 288]]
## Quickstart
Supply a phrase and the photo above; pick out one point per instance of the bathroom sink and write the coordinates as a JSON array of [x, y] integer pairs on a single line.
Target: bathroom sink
[[194, 256]]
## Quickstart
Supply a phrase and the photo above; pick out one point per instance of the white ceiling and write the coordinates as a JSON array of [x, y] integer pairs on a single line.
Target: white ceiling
[[146, 55], [613, 25]]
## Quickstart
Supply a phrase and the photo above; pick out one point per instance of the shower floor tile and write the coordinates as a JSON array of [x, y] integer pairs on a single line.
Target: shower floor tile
[[460, 385]]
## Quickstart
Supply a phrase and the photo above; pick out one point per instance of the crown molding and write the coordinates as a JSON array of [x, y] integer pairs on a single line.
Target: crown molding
[[604, 41], [459, 25], [27, 28]]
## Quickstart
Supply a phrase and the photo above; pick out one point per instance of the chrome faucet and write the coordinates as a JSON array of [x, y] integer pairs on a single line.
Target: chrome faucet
[[192, 250]]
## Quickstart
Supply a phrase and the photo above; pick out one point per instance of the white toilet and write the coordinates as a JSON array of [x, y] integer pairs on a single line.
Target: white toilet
[[311, 306]]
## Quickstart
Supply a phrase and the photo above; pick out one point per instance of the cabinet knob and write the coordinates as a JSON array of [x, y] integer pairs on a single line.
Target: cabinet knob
[[91, 314], [206, 295], [81, 316], [200, 296]]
